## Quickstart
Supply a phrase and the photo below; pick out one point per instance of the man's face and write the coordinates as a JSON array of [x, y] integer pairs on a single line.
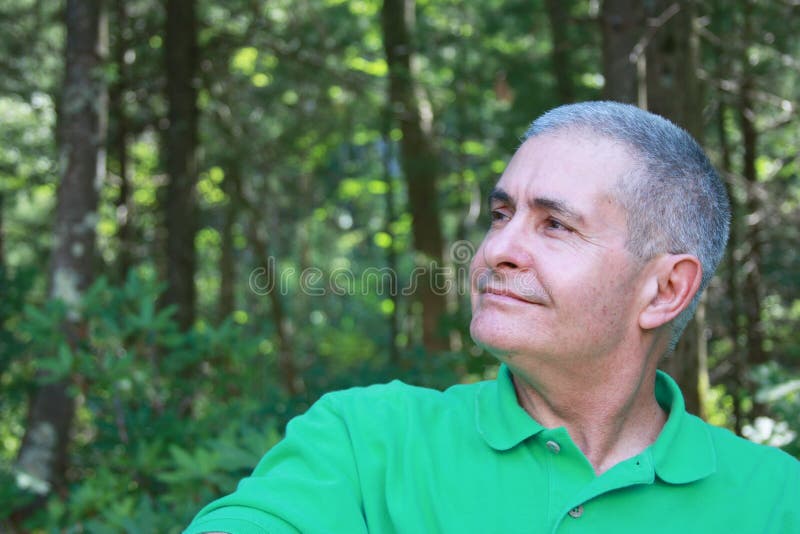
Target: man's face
[[553, 278]]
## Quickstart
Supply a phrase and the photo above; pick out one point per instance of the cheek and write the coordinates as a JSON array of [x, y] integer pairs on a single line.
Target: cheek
[[477, 269], [605, 301]]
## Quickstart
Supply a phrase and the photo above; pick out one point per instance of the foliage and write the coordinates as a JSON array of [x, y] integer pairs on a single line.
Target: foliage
[[135, 458]]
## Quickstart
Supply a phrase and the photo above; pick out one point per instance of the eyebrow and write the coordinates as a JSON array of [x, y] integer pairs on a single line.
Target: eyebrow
[[499, 195], [559, 207], [551, 204]]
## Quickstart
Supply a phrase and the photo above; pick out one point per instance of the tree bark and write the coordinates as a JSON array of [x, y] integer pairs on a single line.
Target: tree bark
[[732, 280], [43, 454], [558, 13], [673, 88], [753, 287], [673, 91], [622, 24], [181, 159], [419, 162]]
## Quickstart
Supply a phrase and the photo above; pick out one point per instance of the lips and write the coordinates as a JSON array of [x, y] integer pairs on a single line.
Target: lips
[[524, 289], [507, 294]]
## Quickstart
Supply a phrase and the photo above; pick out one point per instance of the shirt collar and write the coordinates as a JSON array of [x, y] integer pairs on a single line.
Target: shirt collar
[[682, 453], [500, 420]]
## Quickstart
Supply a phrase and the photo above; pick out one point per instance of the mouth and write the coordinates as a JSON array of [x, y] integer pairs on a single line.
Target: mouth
[[511, 290], [504, 294]]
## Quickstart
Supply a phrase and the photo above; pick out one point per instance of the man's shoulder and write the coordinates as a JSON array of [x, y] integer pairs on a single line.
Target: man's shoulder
[[742, 456], [398, 406], [399, 395]]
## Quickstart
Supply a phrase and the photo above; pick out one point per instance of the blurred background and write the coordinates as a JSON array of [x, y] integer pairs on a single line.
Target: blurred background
[[193, 195]]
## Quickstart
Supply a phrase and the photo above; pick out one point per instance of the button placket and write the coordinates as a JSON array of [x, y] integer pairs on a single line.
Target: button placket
[[553, 447]]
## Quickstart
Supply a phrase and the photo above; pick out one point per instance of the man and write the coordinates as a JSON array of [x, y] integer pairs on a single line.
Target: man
[[605, 228]]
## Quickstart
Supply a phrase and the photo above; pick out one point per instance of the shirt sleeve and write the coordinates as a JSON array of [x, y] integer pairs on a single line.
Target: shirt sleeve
[[307, 483]]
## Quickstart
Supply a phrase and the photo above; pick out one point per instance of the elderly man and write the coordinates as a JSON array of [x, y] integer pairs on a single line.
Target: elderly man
[[606, 226]]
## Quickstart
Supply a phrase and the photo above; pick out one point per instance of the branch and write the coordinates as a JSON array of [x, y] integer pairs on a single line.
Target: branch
[[653, 27], [734, 87]]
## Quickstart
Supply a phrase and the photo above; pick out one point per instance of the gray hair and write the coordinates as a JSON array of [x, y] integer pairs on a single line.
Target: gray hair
[[674, 200]]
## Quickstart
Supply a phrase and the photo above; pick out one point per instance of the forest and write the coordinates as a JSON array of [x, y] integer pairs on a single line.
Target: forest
[[212, 213]]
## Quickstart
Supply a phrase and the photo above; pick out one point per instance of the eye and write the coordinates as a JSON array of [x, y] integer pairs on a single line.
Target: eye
[[555, 224], [498, 216]]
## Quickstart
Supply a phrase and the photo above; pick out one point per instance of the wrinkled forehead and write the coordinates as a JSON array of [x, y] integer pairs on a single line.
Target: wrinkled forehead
[[576, 157]]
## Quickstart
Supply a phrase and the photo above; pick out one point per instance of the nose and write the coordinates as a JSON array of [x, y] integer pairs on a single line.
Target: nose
[[506, 248]]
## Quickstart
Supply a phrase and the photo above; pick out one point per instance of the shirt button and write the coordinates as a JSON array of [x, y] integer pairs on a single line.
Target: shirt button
[[553, 446], [576, 512]]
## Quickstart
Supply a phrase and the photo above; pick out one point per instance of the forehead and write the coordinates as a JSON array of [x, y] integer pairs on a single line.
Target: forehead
[[576, 165]]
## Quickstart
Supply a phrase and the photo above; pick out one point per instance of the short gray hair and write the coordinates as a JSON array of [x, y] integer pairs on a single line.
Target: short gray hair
[[674, 200]]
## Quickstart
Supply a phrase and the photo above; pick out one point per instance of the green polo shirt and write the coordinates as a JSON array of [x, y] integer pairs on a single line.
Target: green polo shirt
[[397, 458]]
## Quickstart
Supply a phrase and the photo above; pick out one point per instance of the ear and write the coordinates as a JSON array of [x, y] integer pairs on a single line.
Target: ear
[[674, 280]]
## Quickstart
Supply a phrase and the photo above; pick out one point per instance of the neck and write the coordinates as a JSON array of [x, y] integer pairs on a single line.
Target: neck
[[609, 408]]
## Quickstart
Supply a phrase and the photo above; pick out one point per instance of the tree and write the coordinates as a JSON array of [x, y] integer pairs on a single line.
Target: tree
[[180, 147], [418, 159], [753, 287], [558, 13], [622, 23], [42, 458]]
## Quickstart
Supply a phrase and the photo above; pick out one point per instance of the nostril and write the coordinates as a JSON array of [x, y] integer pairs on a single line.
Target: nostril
[[507, 265]]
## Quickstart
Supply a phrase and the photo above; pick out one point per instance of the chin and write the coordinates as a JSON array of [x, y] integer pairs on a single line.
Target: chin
[[499, 340]]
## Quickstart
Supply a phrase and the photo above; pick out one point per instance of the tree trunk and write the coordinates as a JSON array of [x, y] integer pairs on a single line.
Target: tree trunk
[[732, 280], [419, 163], [673, 88], [43, 454], [753, 287], [622, 24], [181, 145], [673, 91], [558, 13]]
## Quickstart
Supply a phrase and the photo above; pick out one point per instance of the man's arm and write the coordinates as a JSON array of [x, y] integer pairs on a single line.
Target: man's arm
[[307, 483]]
